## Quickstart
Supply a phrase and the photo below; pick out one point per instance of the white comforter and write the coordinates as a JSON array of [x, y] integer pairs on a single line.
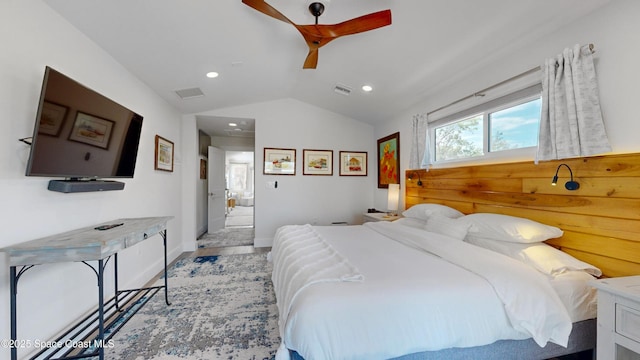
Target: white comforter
[[302, 258], [410, 300]]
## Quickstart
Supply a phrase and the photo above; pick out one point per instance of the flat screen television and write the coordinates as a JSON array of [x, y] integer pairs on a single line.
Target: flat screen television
[[82, 136]]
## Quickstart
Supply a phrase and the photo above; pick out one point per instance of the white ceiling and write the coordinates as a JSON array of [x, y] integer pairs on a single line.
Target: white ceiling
[[172, 44]]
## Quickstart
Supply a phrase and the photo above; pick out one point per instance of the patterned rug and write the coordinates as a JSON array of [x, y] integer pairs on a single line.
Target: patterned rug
[[227, 237], [223, 307]]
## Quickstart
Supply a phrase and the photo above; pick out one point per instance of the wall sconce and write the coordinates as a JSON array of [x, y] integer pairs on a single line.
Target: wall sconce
[[393, 197], [419, 183], [569, 185]]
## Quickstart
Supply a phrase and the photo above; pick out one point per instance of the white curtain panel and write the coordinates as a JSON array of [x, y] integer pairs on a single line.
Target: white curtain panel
[[419, 158], [571, 122]]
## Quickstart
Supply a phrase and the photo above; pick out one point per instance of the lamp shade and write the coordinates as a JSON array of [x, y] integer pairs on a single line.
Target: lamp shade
[[393, 197]]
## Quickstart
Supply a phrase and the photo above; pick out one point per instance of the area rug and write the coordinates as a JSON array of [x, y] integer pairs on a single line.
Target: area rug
[[241, 216], [222, 307], [227, 237]]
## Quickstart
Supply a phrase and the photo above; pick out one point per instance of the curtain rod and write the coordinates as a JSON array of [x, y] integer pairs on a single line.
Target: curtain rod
[[480, 93]]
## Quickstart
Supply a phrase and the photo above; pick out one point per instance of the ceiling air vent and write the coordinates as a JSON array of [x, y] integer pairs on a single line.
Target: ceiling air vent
[[189, 93], [342, 89]]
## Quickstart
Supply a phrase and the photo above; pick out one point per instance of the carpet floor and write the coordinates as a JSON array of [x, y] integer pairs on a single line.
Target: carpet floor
[[223, 307], [227, 237], [240, 216]]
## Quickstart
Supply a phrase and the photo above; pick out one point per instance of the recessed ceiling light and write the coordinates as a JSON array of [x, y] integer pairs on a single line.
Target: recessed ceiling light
[[233, 124], [212, 74], [367, 88]]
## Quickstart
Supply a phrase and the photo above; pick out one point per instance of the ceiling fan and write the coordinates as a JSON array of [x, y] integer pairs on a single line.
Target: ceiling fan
[[316, 35]]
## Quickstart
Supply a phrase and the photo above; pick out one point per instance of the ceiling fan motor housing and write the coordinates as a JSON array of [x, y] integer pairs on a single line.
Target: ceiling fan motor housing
[[316, 9]]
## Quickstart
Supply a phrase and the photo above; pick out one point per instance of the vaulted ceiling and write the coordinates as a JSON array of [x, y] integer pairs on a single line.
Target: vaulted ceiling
[[172, 44]]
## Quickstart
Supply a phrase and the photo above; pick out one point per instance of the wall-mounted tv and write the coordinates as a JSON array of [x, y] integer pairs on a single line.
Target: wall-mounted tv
[[81, 135]]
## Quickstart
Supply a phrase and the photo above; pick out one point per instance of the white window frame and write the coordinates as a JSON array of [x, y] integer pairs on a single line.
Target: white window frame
[[513, 99]]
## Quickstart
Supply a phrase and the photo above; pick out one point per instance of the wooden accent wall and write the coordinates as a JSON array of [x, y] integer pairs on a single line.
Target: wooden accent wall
[[601, 220]]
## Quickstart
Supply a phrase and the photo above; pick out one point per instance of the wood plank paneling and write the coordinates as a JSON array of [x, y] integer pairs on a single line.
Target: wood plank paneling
[[618, 187], [601, 220]]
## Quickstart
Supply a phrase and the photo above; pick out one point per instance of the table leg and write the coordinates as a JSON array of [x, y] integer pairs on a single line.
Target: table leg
[[14, 312], [115, 278], [101, 309], [166, 279]]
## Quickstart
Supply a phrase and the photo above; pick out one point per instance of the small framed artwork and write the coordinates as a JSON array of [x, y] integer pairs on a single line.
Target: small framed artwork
[[317, 162], [279, 161], [91, 130], [51, 118], [353, 163], [389, 160], [203, 169], [164, 154]]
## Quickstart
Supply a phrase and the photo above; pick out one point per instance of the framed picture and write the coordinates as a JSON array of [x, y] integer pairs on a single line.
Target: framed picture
[[203, 169], [389, 160], [52, 118], [164, 154], [279, 161], [91, 130], [317, 162], [353, 163]]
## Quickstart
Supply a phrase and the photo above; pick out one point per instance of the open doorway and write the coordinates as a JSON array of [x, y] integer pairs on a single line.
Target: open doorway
[[240, 189], [235, 229]]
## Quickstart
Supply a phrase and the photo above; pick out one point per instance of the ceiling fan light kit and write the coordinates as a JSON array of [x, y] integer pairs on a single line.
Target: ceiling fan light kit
[[316, 35]]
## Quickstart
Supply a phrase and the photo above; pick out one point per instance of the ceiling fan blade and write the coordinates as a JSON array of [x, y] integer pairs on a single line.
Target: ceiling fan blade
[[361, 24], [267, 9], [317, 36], [320, 35], [311, 62]]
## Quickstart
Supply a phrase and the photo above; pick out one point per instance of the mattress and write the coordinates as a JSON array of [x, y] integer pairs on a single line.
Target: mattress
[[400, 299]]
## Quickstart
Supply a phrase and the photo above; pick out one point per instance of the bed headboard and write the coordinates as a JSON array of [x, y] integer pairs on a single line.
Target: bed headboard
[[600, 220]]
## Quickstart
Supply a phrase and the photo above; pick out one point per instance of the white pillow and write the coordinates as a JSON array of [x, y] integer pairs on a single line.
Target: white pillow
[[424, 211], [543, 257], [509, 228], [552, 261], [447, 226]]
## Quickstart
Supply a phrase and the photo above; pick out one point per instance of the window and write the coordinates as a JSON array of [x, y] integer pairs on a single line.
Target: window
[[515, 127], [459, 140], [503, 125]]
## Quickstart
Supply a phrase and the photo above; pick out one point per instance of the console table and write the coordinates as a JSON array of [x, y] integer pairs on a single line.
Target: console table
[[83, 245]]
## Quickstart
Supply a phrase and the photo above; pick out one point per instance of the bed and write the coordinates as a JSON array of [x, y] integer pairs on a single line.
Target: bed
[[395, 290], [600, 226]]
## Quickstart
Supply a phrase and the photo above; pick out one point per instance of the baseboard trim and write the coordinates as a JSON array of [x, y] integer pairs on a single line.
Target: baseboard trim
[[262, 242]]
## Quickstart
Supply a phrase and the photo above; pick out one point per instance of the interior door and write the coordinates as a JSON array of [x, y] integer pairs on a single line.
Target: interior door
[[217, 190]]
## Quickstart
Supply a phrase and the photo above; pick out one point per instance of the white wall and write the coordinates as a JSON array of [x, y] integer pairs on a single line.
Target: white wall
[[615, 32], [301, 199], [51, 296]]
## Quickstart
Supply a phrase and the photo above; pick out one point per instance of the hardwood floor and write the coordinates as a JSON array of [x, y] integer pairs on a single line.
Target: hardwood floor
[[228, 250], [231, 250]]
